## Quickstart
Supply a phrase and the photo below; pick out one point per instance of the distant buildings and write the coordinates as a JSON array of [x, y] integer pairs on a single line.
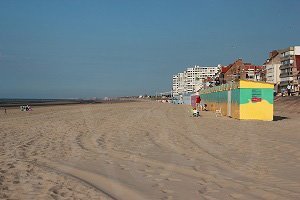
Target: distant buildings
[[240, 70], [272, 66], [281, 68], [192, 79], [290, 66]]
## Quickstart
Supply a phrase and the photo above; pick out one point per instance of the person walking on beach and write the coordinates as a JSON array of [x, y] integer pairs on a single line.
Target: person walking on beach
[[198, 100], [289, 87], [5, 110], [282, 92]]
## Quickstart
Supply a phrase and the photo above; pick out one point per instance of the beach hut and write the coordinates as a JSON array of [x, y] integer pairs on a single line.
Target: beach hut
[[244, 99]]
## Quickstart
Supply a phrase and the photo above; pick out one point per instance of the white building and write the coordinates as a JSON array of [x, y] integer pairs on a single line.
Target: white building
[[272, 66], [191, 79], [289, 69]]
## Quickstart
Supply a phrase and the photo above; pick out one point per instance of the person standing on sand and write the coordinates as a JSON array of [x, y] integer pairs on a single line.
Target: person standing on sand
[[5, 110], [282, 92], [289, 87], [198, 100]]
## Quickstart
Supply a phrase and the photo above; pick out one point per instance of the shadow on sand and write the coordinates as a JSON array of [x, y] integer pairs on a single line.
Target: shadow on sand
[[279, 118]]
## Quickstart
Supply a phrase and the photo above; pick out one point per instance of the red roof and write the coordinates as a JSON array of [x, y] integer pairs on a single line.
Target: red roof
[[224, 69]]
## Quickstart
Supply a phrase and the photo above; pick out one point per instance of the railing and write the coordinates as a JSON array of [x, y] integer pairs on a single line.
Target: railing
[[283, 75], [224, 87], [285, 66]]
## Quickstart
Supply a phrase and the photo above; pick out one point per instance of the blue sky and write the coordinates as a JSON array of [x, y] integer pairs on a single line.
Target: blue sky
[[65, 49]]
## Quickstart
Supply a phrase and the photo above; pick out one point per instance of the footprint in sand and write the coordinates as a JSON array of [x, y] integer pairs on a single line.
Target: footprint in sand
[[160, 185], [167, 191], [55, 189], [167, 198], [109, 162], [149, 170], [10, 165], [173, 179], [191, 159], [141, 171], [236, 196], [54, 196], [202, 189], [4, 196], [123, 167], [4, 188], [148, 175], [164, 174]]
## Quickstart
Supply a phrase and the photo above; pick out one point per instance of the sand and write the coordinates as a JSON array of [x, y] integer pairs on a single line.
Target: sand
[[146, 150]]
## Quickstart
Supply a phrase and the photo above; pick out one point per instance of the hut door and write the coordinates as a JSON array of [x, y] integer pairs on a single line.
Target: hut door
[[229, 103]]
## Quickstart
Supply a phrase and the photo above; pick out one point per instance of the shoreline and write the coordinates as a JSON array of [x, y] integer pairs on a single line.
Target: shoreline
[[16, 104]]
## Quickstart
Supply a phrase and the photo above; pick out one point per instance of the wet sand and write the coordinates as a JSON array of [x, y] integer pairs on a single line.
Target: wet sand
[[146, 150]]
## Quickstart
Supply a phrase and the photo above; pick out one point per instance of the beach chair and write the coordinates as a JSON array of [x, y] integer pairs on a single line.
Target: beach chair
[[219, 112]]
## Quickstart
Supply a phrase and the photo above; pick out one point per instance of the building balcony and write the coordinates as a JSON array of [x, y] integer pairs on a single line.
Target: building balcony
[[286, 55], [286, 74], [285, 66]]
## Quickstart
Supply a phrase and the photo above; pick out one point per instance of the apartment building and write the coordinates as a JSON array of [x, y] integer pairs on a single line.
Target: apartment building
[[191, 79], [272, 68], [290, 66]]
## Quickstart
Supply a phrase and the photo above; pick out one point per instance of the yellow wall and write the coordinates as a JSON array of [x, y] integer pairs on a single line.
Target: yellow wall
[[254, 111], [255, 84], [235, 111]]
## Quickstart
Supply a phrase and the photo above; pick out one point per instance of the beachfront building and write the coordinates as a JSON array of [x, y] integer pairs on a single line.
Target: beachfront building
[[215, 80], [223, 70], [290, 67], [175, 85], [272, 68], [179, 84], [191, 79], [239, 70]]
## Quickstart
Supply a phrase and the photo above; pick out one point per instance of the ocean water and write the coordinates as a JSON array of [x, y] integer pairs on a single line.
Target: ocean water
[[6, 102], [16, 102]]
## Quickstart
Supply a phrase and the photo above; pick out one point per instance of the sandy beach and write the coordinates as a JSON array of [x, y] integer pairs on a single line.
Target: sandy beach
[[147, 150]]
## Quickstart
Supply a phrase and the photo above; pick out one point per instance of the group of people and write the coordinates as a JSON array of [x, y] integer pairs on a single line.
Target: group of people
[[25, 108], [287, 90], [199, 107]]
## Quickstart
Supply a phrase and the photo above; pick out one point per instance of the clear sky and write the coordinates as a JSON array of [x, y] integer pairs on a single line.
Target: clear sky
[[64, 49]]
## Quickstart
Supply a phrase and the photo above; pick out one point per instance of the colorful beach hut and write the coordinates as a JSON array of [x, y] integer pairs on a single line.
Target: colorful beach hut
[[245, 100]]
